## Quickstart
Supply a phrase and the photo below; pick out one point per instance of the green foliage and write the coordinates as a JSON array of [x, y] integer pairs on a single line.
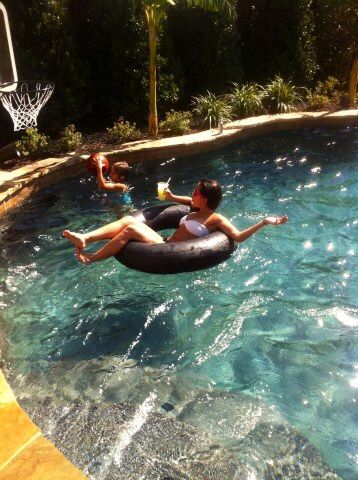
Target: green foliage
[[277, 36], [155, 13], [158, 4], [96, 52], [246, 100], [168, 85], [112, 38], [336, 27], [326, 94], [212, 106], [224, 6], [123, 131], [70, 139], [32, 142], [208, 64], [281, 96], [176, 123], [49, 51], [168, 90], [306, 66]]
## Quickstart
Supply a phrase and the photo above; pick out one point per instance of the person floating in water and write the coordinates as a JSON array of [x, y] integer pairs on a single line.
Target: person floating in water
[[118, 177], [201, 221]]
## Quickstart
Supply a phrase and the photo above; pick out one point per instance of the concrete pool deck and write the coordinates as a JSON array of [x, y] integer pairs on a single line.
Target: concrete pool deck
[[24, 452]]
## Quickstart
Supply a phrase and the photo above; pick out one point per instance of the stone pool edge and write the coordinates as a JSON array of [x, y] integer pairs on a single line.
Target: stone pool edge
[[26, 451]]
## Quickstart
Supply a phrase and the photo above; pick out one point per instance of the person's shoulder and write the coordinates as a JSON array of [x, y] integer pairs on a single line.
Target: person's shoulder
[[216, 218], [120, 187]]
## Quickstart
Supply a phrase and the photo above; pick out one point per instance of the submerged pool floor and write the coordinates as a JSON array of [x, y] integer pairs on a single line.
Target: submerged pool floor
[[278, 321]]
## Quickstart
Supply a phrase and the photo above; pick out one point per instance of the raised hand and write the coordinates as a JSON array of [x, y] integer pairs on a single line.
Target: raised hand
[[168, 194]]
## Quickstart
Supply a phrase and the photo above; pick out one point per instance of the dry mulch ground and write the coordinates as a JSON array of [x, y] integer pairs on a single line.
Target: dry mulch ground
[[95, 142]]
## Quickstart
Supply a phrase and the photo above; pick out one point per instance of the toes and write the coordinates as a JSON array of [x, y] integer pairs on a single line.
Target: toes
[[81, 257]]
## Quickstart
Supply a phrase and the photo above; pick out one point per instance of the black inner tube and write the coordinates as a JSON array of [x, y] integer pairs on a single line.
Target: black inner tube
[[174, 257]]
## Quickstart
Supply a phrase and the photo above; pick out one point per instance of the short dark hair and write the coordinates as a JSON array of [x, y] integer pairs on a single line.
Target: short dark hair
[[211, 190], [121, 169]]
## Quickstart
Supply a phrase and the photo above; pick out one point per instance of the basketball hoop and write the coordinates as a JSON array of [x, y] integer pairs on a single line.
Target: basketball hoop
[[24, 100]]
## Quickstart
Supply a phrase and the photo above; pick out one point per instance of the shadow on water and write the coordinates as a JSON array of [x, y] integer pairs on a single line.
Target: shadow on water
[[121, 331], [112, 328]]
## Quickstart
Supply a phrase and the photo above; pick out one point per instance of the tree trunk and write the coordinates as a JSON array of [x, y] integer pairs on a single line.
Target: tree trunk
[[153, 115], [353, 79]]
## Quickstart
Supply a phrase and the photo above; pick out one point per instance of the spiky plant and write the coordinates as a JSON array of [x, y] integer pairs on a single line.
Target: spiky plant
[[246, 100], [212, 106], [281, 96]]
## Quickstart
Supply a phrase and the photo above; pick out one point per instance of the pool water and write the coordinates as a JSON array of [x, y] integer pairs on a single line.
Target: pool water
[[278, 321]]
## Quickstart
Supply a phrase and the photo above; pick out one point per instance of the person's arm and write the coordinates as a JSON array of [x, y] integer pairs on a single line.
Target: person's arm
[[103, 184], [231, 231], [177, 198]]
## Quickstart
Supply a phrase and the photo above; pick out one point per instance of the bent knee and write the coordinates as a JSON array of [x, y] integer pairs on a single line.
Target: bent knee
[[128, 219], [130, 229]]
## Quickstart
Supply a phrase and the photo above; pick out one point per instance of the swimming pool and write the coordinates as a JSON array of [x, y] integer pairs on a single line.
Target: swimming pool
[[277, 322]]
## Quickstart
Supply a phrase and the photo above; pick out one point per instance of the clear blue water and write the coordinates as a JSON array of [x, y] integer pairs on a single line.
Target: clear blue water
[[278, 321]]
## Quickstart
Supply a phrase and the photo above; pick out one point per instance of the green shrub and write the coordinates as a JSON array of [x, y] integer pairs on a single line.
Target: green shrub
[[281, 96], [325, 95], [212, 106], [246, 100], [123, 131], [176, 123], [32, 142], [70, 139]]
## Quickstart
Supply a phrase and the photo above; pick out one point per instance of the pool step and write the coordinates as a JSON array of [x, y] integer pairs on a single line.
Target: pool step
[[102, 440]]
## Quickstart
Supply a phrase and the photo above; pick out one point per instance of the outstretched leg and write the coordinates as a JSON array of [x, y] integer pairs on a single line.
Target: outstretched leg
[[81, 240], [133, 231]]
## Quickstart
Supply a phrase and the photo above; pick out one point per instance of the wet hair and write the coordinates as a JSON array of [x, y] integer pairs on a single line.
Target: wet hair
[[121, 169], [211, 190]]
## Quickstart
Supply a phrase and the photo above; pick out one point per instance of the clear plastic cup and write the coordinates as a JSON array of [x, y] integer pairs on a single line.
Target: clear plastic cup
[[161, 189]]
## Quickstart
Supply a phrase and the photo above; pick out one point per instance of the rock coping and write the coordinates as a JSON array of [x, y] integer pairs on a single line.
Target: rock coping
[[17, 185], [24, 451]]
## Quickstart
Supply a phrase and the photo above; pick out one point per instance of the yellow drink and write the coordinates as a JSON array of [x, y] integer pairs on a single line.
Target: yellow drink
[[161, 190]]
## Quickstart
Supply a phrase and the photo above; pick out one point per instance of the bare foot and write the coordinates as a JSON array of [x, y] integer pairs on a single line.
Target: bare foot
[[275, 220], [78, 239], [83, 257]]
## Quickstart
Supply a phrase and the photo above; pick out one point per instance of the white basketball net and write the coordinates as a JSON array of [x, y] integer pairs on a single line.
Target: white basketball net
[[25, 102]]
